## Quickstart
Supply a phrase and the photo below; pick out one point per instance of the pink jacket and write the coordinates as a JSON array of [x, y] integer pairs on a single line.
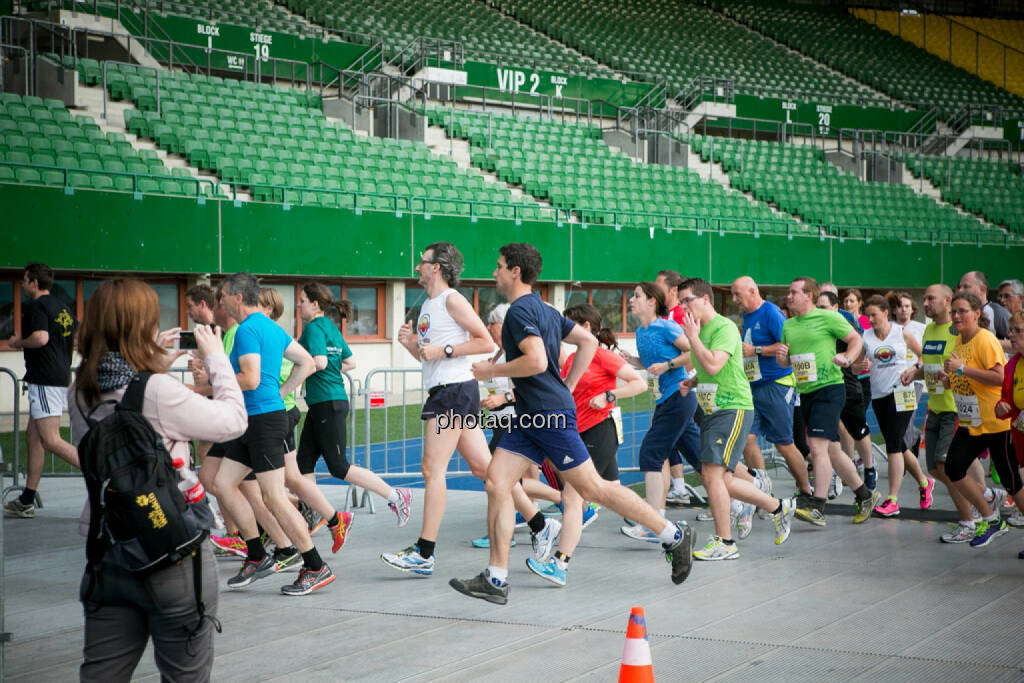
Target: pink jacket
[[178, 414]]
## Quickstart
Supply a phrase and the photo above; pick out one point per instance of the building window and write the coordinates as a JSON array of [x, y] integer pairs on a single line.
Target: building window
[[612, 302], [365, 308], [6, 311], [167, 294]]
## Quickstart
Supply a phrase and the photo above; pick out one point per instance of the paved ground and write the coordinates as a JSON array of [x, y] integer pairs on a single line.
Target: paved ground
[[882, 600]]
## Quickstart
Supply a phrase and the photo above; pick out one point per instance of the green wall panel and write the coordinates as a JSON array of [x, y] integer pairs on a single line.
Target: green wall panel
[[1013, 131], [602, 253], [827, 118], [106, 231], [769, 259], [479, 242], [306, 240], [998, 263], [885, 264]]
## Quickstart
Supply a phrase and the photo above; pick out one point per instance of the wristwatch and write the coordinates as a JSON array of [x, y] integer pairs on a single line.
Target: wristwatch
[[960, 370], [609, 396], [669, 364], [757, 350], [509, 397], [449, 350]]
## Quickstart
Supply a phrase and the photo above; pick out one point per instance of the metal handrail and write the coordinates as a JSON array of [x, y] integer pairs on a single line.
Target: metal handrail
[[199, 182], [14, 469], [25, 57]]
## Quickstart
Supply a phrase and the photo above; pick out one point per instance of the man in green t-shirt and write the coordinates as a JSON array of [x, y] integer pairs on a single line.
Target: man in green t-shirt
[[936, 346], [809, 346], [723, 393]]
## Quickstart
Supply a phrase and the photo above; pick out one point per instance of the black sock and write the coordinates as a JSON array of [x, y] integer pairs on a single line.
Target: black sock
[[819, 503], [260, 530], [27, 497], [869, 469], [778, 509], [254, 549], [311, 560], [334, 521], [426, 548], [537, 523], [287, 551], [731, 541], [862, 492]]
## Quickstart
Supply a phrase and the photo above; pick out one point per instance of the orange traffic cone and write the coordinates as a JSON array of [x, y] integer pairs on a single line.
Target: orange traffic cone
[[636, 656]]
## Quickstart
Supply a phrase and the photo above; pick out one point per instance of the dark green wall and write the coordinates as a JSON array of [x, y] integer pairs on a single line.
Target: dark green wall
[[828, 119], [98, 231]]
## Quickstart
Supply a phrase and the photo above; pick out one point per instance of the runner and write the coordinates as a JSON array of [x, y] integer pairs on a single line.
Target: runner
[[664, 352], [809, 346], [48, 341], [886, 347], [772, 386], [975, 282], [974, 373], [669, 281], [937, 346], [324, 434], [309, 494], [546, 425], [1011, 402], [595, 396], [1011, 297], [259, 347], [724, 394], [447, 333], [853, 300], [903, 309]]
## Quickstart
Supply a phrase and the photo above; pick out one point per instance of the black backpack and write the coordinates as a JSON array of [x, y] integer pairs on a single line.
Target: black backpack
[[139, 519]]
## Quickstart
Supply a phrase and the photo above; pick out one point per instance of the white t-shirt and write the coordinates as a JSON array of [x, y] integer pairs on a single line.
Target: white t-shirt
[[436, 326], [499, 386], [888, 359], [916, 330]]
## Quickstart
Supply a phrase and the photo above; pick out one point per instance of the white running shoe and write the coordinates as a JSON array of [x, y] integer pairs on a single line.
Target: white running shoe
[[677, 497], [403, 508], [544, 542], [998, 498], [835, 489], [1016, 519], [784, 520], [705, 515], [639, 533], [961, 533], [745, 520], [716, 549]]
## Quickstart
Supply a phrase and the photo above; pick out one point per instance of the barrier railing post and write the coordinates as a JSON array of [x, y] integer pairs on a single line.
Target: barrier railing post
[[17, 433]]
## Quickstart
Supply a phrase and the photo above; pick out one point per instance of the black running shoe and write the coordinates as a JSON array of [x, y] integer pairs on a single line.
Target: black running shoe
[[680, 555], [309, 581], [481, 586], [251, 571]]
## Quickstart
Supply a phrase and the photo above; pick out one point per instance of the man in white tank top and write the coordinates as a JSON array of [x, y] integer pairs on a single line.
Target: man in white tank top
[[446, 332]]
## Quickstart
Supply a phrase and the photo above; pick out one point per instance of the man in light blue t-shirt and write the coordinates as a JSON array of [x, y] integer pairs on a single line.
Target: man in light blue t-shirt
[[260, 346]]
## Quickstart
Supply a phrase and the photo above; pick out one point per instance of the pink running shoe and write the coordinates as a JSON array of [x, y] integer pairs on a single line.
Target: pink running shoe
[[926, 494], [403, 508], [888, 509], [230, 544]]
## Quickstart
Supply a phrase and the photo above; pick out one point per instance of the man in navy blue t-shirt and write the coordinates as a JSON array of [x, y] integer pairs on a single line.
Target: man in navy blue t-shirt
[[545, 425]]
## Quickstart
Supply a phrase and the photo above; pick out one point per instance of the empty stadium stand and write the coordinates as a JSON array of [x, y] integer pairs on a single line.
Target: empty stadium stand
[[990, 188], [870, 55]]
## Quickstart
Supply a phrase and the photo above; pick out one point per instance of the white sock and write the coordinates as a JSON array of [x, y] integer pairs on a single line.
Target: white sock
[[561, 564], [497, 575], [989, 494], [994, 517], [393, 497], [679, 483], [969, 524], [669, 533], [661, 512]]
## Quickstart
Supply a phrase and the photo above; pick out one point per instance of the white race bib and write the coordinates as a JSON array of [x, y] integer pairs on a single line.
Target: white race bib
[[905, 398], [617, 419], [653, 387], [805, 368], [931, 378], [706, 397], [967, 410], [752, 368]]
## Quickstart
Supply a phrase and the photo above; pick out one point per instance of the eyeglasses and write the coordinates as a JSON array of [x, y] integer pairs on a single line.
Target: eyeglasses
[[1007, 295], [960, 311], [1017, 330], [688, 299], [422, 261]]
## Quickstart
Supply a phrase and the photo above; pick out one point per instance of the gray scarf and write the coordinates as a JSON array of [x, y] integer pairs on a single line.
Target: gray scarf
[[113, 372]]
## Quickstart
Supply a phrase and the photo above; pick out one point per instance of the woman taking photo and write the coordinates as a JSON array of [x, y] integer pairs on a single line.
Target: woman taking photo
[[324, 433], [974, 373], [886, 346], [118, 339]]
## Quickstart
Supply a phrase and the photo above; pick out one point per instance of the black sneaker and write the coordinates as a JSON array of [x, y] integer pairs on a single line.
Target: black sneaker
[[309, 581], [480, 586], [680, 555], [309, 515], [251, 571], [286, 558]]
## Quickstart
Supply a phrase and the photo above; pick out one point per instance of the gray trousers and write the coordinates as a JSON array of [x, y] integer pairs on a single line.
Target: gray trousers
[[161, 605]]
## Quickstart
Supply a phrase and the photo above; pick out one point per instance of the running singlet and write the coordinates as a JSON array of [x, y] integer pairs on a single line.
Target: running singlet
[[320, 336], [654, 345], [436, 326], [499, 386], [286, 371], [598, 378], [259, 335], [229, 338], [812, 345], [763, 327], [729, 389], [936, 346], [888, 359], [530, 316], [1018, 384], [975, 402]]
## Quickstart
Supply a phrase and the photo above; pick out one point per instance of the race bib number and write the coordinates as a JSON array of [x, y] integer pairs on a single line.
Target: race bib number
[[617, 419], [752, 368], [805, 368], [652, 386], [931, 378], [967, 410], [906, 399], [706, 397]]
